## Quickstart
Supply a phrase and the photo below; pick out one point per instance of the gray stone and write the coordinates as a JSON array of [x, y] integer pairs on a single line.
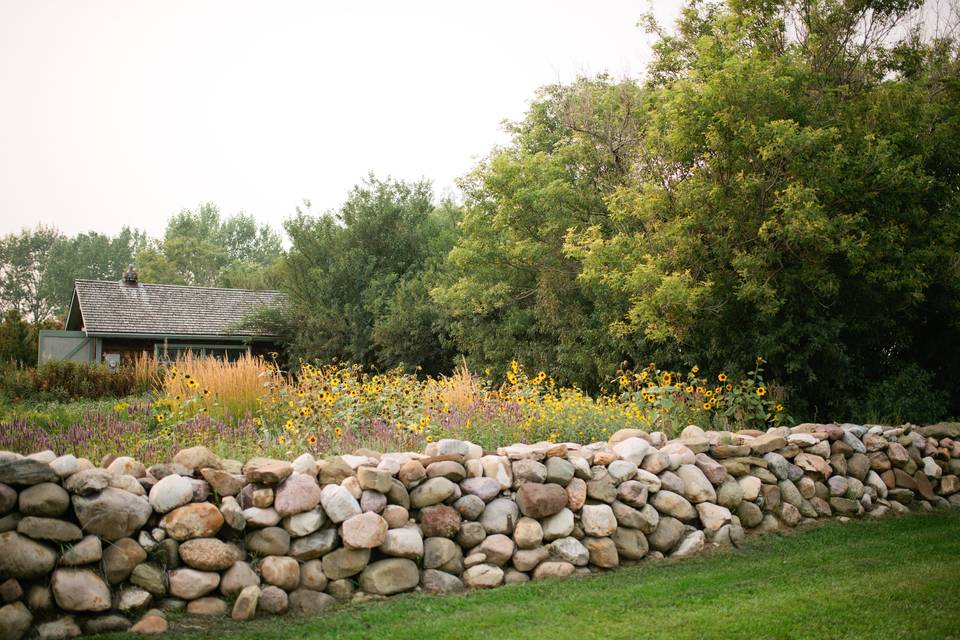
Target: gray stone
[[46, 500], [112, 514], [22, 558], [570, 550], [80, 590], [51, 529], [500, 515], [86, 551], [386, 577]]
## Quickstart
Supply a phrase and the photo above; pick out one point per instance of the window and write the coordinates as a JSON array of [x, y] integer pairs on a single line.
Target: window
[[170, 352]]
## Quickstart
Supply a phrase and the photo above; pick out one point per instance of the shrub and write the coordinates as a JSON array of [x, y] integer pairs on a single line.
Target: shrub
[[63, 379]]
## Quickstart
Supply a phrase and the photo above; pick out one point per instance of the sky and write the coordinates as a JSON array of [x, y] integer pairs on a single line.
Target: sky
[[124, 112]]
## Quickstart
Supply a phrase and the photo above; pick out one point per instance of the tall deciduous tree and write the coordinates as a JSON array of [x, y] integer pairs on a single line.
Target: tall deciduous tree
[[25, 282]]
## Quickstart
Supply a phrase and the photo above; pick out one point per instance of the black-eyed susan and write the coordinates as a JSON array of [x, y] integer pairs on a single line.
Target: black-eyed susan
[[160, 418], [312, 440], [707, 406], [761, 391], [695, 369], [722, 377], [281, 440], [779, 407], [689, 389], [429, 438], [338, 432]]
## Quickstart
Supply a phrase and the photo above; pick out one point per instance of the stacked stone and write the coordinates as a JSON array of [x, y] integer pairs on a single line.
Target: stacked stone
[[88, 549]]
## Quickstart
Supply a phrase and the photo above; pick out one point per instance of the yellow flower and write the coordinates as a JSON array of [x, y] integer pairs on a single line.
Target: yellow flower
[[311, 440], [258, 422], [667, 378], [695, 369], [281, 440], [338, 432], [722, 377], [761, 391], [624, 381], [643, 375], [707, 405], [689, 389], [429, 438], [160, 418], [779, 407]]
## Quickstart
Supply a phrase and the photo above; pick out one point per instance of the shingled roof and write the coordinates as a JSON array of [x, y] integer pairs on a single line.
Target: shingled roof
[[112, 307]]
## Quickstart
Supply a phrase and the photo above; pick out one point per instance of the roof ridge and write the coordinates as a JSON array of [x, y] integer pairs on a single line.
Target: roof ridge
[[180, 286]]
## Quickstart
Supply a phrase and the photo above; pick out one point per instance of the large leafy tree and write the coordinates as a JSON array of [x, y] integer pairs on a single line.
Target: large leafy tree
[[796, 195], [357, 278], [25, 281], [511, 289], [203, 248]]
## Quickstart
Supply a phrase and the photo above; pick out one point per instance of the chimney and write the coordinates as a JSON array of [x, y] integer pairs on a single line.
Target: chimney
[[130, 277]]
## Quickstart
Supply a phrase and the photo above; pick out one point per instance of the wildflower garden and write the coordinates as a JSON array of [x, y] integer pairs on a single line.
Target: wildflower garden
[[253, 407]]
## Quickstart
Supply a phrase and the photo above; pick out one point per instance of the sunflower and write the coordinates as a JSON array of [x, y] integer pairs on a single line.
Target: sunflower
[[761, 391], [338, 432], [779, 407], [281, 440], [429, 438], [722, 377], [695, 369], [160, 418], [689, 389], [311, 440], [206, 393], [706, 406]]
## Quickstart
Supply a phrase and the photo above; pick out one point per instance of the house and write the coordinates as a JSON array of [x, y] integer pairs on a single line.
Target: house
[[116, 321]]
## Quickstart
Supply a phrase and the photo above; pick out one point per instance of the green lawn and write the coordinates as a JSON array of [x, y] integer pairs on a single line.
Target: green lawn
[[886, 579]]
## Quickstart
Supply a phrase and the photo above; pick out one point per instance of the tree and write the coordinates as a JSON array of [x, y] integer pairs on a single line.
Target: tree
[[510, 287], [88, 255], [24, 279], [795, 195], [357, 278], [201, 248], [18, 340]]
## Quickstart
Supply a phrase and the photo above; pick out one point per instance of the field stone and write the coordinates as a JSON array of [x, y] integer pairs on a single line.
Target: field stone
[[238, 577], [338, 503], [196, 520], [88, 550], [46, 500], [15, 621], [207, 606], [730, 494], [483, 576], [223, 482], [528, 533], [553, 569], [440, 582], [633, 493], [245, 606], [603, 552], [309, 601], [314, 545], [149, 577], [497, 548], [405, 542], [540, 500], [106, 624], [170, 492], [674, 505], [598, 520], [280, 571], [51, 529], [267, 471], [713, 516], [396, 516], [437, 552], [190, 584], [8, 499], [472, 533], [80, 590], [576, 494], [60, 629], [372, 501], [570, 550], [667, 534], [343, 563], [632, 449], [558, 525], [631, 544], [133, 599], [440, 521], [257, 517], [469, 507], [500, 516], [696, 486], [386, 577], [209, 554], [449, 469], [750, 514], [364, 531], [602, 489], [112, 513], [273, 600], [431, 492], [312, 576], [298, 493], [120, 558], [690, 545], [559, 471]]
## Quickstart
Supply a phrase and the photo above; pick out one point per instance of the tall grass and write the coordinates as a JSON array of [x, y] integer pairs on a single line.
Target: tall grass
[[194, 384]]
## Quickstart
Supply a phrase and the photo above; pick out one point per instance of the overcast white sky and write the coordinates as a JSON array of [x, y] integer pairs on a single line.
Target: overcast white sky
[[120, 112]]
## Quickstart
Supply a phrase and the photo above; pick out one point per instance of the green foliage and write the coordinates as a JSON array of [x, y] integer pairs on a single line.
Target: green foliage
[[357, 278], [204, 249], [24, 280], [908, 394], [511, 289], [18, 340]]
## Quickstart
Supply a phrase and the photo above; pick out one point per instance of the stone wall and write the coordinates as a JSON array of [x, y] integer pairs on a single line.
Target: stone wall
[[86, 549]]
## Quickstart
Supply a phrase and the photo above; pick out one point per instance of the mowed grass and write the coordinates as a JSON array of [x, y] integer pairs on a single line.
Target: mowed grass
[[896, 578]]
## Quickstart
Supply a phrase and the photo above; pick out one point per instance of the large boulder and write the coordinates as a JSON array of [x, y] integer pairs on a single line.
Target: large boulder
[[170, 492], [338, 503], [209, 554], [298, 493], [197, 520], [80, 590], [22, 558], [190, 584], [540, 500], [386, 577], [46, 499], [696, 487], [500, 516], [363, 531], [113, 513]]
